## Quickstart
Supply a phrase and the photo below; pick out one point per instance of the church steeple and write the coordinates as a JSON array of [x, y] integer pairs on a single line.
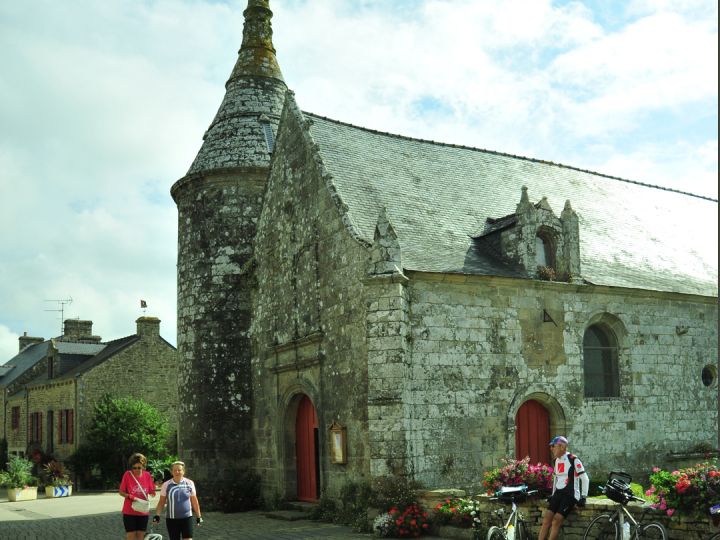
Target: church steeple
[[237, 137], [257, 54], [219, 202]]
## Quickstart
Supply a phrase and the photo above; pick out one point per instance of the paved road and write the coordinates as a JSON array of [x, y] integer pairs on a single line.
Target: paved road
[[97, 516]]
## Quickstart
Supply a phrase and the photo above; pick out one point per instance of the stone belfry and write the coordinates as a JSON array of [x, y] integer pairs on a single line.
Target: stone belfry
[[219, 202]]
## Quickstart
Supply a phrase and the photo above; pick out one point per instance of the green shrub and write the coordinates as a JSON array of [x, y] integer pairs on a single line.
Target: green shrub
[[389, 491], [159, 468], [119, 427], [18, 473], [325, 510]]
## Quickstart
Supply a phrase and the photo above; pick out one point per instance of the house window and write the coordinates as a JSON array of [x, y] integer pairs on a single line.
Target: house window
[[65, 426], [544, 250], [600, 353], [36, 427], [15, 421]]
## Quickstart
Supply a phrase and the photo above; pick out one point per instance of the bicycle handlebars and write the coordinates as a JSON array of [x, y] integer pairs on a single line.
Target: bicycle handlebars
[[630, 497]]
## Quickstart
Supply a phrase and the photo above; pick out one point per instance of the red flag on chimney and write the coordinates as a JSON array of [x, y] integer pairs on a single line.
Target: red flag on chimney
[[143, 304]]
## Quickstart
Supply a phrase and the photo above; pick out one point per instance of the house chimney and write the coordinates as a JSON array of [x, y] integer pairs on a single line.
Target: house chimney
[[148, 326], [26, 340], [77, 330]]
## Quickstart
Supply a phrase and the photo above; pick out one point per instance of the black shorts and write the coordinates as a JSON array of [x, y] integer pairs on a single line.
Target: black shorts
[[179, 528], [135, 523], [562, 502]]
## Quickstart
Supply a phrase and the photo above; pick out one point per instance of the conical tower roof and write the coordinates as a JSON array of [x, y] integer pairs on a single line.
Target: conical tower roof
[[240, 136]]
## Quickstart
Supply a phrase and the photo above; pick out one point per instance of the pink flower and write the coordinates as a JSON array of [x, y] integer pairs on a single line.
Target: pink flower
[[670, 511], [656, 469], [663, 505]]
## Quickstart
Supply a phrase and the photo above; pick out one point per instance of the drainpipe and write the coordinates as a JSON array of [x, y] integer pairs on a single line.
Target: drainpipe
[[76, 414], [27, 418]]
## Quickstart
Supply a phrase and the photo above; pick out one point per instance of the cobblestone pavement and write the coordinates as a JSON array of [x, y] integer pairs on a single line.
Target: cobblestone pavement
[[90, 517], [247, 525], [96, 516]]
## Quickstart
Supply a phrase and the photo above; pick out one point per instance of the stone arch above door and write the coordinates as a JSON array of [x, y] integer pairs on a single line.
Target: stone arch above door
[[286, 437], [558, 424]]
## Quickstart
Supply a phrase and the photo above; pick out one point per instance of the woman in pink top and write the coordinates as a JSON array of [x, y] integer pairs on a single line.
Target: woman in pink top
[[136, 483]]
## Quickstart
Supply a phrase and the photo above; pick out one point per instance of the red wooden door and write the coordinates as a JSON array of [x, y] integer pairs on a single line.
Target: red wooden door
[[306, 451], [532, 432]]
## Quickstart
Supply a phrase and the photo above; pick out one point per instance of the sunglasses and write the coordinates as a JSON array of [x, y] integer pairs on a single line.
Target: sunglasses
[[138, 467]]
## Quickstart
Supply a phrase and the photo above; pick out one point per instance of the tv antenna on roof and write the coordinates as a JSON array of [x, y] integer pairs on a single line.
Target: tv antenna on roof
[[61, 309]]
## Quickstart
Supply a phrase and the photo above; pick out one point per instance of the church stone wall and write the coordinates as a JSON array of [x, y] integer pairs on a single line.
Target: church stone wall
[[480, 349], [308, 331]]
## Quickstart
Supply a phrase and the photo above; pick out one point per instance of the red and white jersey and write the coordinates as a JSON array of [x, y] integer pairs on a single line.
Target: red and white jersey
[[563, 467]]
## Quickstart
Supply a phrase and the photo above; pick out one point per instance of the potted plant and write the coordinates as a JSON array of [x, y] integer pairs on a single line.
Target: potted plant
[[18, 479], [58, 482]]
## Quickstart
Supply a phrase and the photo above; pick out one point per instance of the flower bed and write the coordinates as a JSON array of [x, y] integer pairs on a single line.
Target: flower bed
[[693, 490], [516, 472], [458, 511], [408, 522]]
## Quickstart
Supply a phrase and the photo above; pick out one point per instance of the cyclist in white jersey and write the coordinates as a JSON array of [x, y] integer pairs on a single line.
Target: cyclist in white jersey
[[181, 498], [570, 487]]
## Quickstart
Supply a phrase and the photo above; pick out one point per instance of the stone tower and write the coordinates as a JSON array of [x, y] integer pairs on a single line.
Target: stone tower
[[219, 201]]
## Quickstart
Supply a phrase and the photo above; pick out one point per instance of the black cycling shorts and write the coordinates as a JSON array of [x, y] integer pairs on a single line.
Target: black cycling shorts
[[179, 528], [135, 523], [562, 502]]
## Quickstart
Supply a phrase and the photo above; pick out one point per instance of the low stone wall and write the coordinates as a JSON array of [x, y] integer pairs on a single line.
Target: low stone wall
[[679, 527]]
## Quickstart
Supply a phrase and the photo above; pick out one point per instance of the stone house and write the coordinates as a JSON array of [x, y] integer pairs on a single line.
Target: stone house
[[367, 304], [50, 388]]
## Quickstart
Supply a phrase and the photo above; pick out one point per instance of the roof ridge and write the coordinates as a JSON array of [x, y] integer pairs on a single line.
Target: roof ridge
[[505, 154]]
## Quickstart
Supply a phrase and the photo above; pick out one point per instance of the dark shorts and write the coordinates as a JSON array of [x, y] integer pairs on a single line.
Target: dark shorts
[[135, 523], [562, 502], [179, 528]]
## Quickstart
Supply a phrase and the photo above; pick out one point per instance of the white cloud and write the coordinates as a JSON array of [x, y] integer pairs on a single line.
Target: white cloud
[[9, 344], [105, 105]]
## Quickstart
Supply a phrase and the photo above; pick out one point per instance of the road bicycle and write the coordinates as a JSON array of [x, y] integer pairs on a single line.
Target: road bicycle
[[515, 527], [715, 512], [621, 525]]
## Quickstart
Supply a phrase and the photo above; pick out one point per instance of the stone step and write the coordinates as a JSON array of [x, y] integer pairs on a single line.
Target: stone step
[[301, 506], [287, 515]]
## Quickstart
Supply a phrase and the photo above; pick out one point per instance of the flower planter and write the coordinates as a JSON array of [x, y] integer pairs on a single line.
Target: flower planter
[[22, 494], [58, 491]]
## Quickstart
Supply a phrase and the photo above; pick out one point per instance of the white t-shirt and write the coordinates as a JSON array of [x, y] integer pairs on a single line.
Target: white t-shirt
[[562, 469]]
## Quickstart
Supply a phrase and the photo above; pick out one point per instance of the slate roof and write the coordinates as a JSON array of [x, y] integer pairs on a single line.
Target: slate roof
[[111, 349], [438, 196], [71, 353], [23, 361]]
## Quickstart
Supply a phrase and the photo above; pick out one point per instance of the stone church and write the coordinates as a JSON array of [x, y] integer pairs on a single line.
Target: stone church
[[353, 304]]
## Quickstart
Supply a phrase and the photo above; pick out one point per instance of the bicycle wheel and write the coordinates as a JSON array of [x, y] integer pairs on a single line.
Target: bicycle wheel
[[715, 536], [602, 528], [495, 533], [523, 533], [653, 531]]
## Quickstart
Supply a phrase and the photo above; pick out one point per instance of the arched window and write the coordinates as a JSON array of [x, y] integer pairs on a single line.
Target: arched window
[[600, 353], [544, 250]]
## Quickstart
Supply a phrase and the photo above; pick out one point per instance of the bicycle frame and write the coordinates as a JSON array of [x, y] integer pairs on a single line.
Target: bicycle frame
[[513, 517], [621, 514]]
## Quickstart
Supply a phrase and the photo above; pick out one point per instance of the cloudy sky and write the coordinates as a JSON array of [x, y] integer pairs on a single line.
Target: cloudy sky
[[103, 106]]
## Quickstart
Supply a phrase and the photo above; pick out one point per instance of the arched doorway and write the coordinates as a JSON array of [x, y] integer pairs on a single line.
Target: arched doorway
[[306, 451], [532, 432]]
